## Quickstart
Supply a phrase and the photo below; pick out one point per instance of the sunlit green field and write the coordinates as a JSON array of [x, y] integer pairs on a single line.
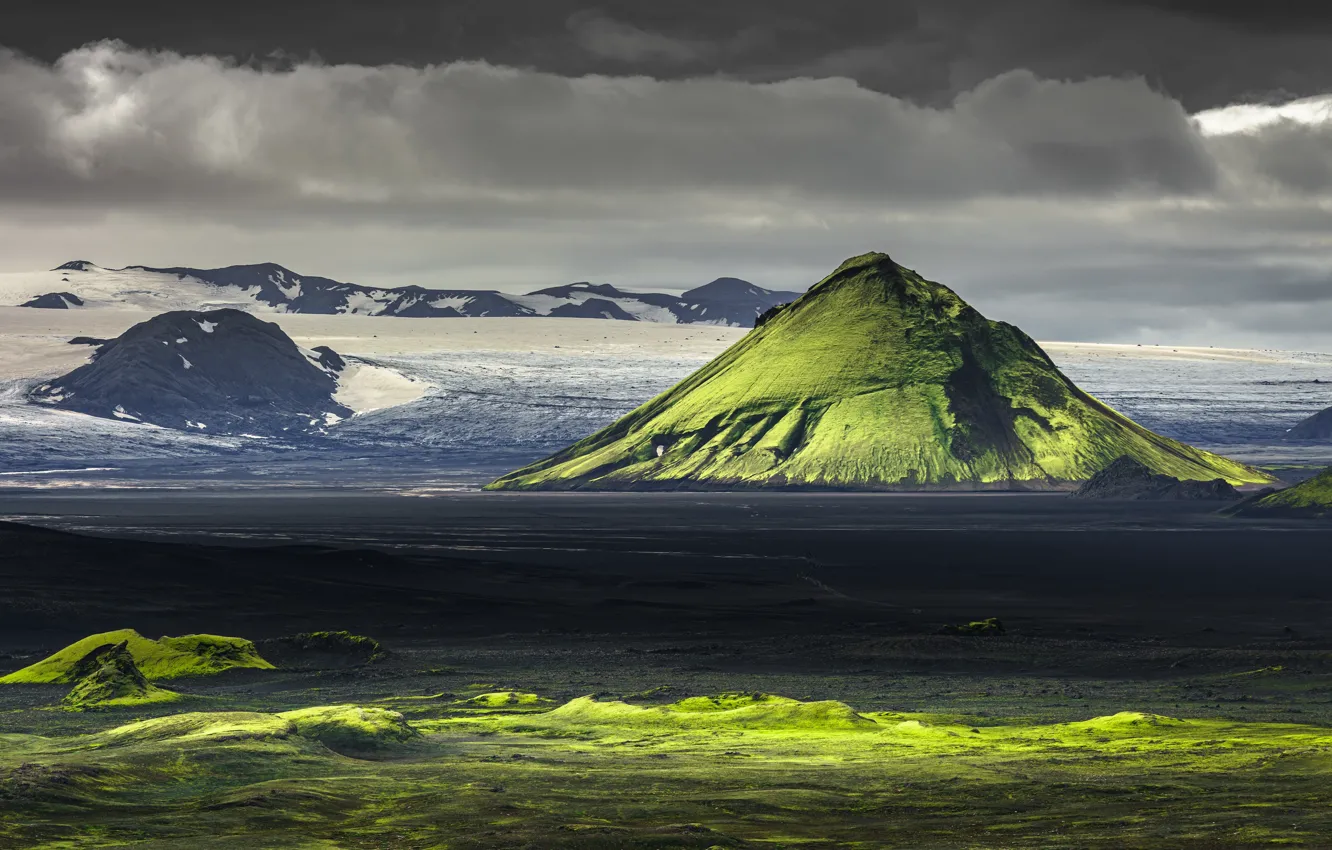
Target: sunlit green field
[[512, 769]]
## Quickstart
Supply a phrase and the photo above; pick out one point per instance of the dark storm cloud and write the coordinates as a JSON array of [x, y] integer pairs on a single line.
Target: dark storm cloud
[[1205, 54], [109, 124]]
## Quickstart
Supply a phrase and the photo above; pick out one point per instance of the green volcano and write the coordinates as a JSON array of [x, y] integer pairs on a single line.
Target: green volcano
[[874, 379]]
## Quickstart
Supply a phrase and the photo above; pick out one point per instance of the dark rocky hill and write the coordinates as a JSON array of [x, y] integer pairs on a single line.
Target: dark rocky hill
[[55, 301], [1126, 479], [735, 301], [221, 372], [593, 308], [1317, 428]]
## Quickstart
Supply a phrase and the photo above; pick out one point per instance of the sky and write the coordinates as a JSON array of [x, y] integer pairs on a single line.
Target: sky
[[1105, 170]]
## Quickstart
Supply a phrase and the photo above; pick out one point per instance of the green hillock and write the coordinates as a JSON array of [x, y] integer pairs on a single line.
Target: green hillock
[[756, 712], [505, 700], [108, 678], [351, 727], [165, 658], [874, 379], [1311, 498]]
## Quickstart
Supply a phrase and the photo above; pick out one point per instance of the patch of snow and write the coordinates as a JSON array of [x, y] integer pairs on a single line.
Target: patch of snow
[[121, 413], [332, 419], [364, 303], [542, 304], [200, 425], [205, 325], [365, 387], [65, 471], [457, 302], [187, 364], [181, 340], [641, 310]]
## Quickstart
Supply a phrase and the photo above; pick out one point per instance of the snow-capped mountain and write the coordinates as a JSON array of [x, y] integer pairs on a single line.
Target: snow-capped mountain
[[267, 287], [222, 371]]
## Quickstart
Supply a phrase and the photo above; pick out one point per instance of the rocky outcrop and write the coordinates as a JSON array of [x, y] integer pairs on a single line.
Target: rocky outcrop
[[1127, 479], [54, 301]]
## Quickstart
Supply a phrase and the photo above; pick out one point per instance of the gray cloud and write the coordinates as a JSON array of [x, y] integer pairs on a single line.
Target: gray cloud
[[1084, 208], [110, 124]]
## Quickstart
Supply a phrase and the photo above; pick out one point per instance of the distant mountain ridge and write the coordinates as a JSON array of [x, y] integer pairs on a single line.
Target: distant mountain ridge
[[268, 287]]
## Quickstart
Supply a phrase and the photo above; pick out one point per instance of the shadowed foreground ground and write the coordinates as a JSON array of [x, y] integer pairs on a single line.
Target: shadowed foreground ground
[[1163, 678]]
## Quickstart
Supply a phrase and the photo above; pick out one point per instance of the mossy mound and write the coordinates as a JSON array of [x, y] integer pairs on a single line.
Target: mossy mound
[[726, 702], [198, 726], [875, 379], [1311, 499], [1127, 723], [165, 658], [505, 699], [336, 648], [729, 710], [108, 678], [989, 627], [351, 728]]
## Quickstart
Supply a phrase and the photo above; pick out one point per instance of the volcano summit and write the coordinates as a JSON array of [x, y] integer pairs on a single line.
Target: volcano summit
[[874, 379]]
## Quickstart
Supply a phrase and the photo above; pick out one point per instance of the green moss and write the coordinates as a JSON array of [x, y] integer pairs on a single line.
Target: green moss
[[108, 678], [754, 712], [731, 770], [351, 727], [876, 378], [725, 702], [166, 658], [1311, 498], [196, 728], [505, 699], [977, 628]]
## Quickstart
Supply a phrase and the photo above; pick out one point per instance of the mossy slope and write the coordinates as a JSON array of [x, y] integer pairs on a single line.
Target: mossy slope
[[165, 658], [1312, 498], [876, 379]]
